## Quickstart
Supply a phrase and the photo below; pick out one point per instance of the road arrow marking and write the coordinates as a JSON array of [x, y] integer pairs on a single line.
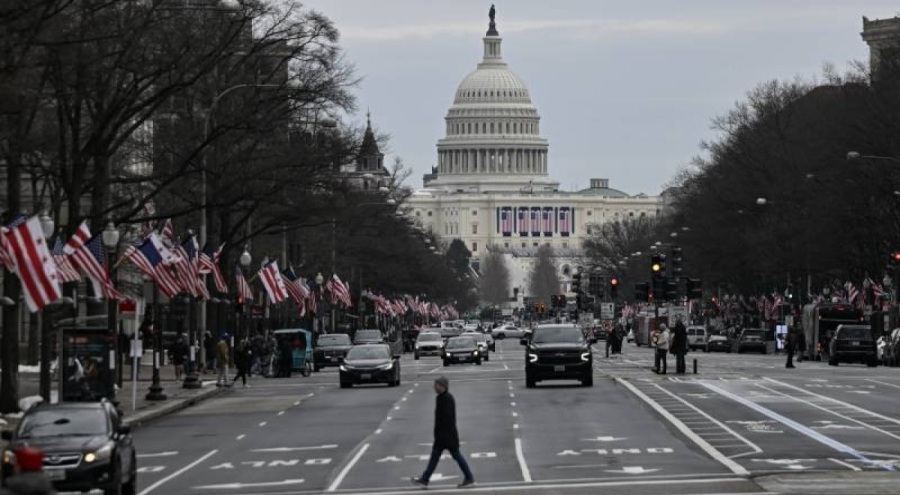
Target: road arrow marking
[[605, 439], [632, 470], [294, 449], [238, 486]]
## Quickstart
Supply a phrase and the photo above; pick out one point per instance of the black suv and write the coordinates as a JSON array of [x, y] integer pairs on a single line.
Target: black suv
[[853, 344], [330, 350], [85, 445], [752, 340], [558, 352]]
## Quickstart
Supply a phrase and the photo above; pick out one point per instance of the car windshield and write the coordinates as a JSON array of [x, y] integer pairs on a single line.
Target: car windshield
[[477, 337], [369, 352], [368, 335], [717, 337], [856, 334], [63, 422], [334, 339], [429, 337], [755, 335], [557, 334], [460, 343]]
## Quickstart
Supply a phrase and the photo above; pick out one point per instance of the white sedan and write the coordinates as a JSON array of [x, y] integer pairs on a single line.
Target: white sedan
[[507, 331]]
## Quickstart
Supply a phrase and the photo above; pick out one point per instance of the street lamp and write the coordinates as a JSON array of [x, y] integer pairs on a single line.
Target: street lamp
[[856, 156], [110, 238], [762, 201], [245, 259], [47, 227], [320, 279]]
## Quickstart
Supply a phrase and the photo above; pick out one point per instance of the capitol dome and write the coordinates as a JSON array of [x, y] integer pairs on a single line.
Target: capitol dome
[[492, 140]]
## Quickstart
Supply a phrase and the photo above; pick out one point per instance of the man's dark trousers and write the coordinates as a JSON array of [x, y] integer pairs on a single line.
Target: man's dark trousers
[[436, 451], [680, 366]]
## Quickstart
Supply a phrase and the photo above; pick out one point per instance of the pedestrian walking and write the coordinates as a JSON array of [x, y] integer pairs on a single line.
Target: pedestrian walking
[[446, 436], [660, 340], [209, 344], [243, 356], [179, 355], [222, 360], [678, 346], [790, 342], [29, 478], [801, 344]]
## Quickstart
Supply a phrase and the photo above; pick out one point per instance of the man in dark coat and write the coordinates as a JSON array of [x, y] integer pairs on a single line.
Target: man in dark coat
[[446, 437], [679, 346], [790, 343]]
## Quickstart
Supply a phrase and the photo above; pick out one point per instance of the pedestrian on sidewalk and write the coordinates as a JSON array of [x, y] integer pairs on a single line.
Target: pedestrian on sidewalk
[[209, 344], [790, 343], [801, 343], [660, 341], [446, 436], [179, 355], [679, 346], [243, 356], [29, 478], [222, 360]]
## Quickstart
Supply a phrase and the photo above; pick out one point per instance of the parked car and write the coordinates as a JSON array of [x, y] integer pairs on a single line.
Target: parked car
[[696, 337], [558, 352], [461, 350], [428, 344], [508, 330], [717, 343], [370, 363], [853, 344], [484, 343], [752, 339], [368, 336], [330, 350], [85, 445]]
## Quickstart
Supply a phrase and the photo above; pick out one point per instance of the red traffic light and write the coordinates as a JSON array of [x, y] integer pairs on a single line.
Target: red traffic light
[[613, 282], [896, 256]]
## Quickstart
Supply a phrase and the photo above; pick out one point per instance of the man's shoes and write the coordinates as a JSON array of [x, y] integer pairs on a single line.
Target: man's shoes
[[466, 484], [419, 482]]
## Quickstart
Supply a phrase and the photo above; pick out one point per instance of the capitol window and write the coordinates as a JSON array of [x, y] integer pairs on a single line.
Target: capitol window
[[429, 213], [474, 247], [474, 212], [565, 245], [474, 229], [589, 212]]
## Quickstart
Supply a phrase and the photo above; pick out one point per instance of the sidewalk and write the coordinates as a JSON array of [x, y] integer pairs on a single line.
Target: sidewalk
[[141, 410]]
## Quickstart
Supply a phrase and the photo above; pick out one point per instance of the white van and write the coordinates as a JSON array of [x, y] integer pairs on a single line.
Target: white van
[[696, 337]]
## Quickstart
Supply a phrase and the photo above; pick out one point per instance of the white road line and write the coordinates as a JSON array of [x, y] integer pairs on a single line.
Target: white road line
[[388, 418], [886, 384], [505, 367], [434, 370], [513, 404], [520, 456], [516, 426], [280, 413], [396, 408], [378, 431], [703, 444], [158, 454], [515, 414], [343, 474], [240, 437], [297, 403], [845, 464], [181, 471], [264, 423], [512, 396], [840, 402]]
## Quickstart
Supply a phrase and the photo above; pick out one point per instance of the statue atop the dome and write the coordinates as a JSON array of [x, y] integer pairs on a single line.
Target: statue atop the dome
[[492, 27]]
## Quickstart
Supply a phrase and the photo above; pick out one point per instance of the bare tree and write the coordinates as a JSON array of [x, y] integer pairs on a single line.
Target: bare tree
[[493, 287], [544, 279]]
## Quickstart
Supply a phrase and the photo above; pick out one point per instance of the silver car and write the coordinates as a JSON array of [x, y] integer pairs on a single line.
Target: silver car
[[485, 343]]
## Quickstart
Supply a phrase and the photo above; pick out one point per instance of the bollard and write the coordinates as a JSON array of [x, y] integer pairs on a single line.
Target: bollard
[[695, 366]]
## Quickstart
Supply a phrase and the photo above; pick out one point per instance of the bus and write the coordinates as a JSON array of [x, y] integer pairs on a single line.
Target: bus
[[819, 323]]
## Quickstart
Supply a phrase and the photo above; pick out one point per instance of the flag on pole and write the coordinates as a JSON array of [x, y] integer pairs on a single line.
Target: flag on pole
[[28, 252], [67, 272], [292, 284], [209, 263], [273, 283], [339, 291], [5, 256], [243, 288], [167, 230], [187, 267], [153, 259], [90, 258]]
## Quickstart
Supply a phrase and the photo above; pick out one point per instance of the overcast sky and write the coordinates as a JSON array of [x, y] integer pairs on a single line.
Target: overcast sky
[[625, 88]]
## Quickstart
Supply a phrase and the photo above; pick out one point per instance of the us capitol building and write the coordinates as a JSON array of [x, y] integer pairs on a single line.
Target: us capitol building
[[491, 185]]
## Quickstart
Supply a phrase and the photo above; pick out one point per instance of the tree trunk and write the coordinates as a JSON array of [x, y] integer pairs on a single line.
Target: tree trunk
[[9, 350]]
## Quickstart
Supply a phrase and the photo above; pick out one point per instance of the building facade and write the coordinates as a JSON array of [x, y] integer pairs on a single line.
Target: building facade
[[492, 183]]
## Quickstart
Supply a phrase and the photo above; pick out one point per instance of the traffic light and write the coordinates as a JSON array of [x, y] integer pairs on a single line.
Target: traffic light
[[642, 292], [576, 282], [659, 292], [239, 304], [658, 266], [694, 288], [895, 257], [595, 285], [677, 260], [670, 290], [613, 288]]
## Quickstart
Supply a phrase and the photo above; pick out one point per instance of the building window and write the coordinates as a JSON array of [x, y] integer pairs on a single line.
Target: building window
[[643, 214], [418, 213], [565, 245], [587, 229], [524, 245], [492, 127], [589, 212], [474, 229], [534, 244], [474, 247], [506, 245], [474, 212], [630, 213], [429, 213]]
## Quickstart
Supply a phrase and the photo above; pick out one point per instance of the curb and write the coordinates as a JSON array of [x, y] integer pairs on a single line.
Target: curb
[[138, 418]]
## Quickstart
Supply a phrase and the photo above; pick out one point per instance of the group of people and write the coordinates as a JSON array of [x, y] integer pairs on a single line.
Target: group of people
[[667, 341], [614, 339]]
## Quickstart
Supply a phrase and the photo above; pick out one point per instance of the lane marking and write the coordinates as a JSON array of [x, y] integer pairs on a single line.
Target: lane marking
[[515, 414], [158, 454], [181, 471], [378, 431], [280, 413], [513, 404], [836, 401], [241, 437], [505, 367], [523, 466], [512, 395], [297, 403], [343, 474], [845, 464], [683, 428], [516, 426], [886, 384], [434, 370], [264, 423], [790, 423], [294, 449]]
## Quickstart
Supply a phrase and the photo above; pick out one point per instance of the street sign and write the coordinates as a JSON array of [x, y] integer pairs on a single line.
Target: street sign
[[607, 311], [675, 311]]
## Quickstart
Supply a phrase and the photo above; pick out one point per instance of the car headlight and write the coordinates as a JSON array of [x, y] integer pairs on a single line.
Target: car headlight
[[344, 368], [585, 356], [532, 358], [386, 366], [100, 454], [9, 457], [475, 352]]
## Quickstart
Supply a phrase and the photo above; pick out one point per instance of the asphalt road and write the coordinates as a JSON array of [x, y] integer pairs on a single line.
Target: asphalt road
[[724, 430]]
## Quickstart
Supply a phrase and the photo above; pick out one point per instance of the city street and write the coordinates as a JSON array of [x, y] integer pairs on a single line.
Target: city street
[[741, 417]]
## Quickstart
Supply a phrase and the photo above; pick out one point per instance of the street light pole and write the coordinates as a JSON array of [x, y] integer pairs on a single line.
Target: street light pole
[[47, 225], [110, 238], [156, 390]]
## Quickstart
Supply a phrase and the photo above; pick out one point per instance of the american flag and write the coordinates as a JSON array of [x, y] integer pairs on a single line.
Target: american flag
[[878, 289], [506, 221], [272, 282], [153, 260], [67, 272], [565, 221], [243, 288], [339, 291], [852, 293], [187, 267], [79, 238], [28, 253], [5, 256], [292, 285], [312, 303], [209, 263], [90, 258], [547, 221], [523, 222], [535, 222], [167, 230]]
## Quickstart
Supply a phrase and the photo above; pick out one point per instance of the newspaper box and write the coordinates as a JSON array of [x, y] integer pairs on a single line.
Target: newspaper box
[[88, 363]]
